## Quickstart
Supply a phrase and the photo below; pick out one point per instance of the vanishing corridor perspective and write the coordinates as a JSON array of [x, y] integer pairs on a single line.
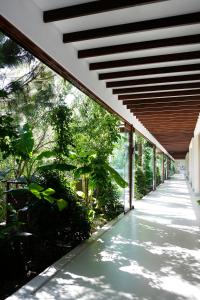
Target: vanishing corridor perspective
[[151, 253]]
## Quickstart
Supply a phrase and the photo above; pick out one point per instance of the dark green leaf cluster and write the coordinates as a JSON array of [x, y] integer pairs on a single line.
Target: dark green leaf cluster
[[60, 119], [11, 54], [8, 133]]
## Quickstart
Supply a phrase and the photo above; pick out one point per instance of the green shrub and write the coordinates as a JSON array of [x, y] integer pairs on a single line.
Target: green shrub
[[108, 201], [71, 225], [158, 176], [140, 184]]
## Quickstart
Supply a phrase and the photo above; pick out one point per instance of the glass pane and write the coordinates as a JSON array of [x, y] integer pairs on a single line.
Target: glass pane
[[120, 162]]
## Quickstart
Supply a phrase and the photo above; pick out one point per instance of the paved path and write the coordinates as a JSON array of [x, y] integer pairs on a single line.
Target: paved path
[[150, 254]]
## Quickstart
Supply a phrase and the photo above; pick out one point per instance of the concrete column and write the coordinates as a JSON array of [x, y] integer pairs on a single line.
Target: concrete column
[[163, 167], [131, 164], [167, 170], [168, 167], [190, 162], [187, 165], [196, 164]]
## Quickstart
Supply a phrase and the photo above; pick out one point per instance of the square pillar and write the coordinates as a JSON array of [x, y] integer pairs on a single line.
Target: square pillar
[[190, 162], [154, 168], [196, 164], [168, 167], [187, 165], [131, 166], [163, 167]]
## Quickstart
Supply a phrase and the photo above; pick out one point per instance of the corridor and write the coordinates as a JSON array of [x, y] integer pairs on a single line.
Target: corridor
[[152, 253]]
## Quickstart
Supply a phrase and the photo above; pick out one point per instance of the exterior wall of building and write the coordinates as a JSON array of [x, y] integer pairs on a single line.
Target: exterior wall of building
[[192, 163]]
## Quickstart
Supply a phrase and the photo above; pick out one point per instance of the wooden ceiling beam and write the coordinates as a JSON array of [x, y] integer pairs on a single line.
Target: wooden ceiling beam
[[163, 105], [166, 109], [179, 136], [184, 130], [165, 115], [161, 101], [163, 119], [168, 22], [178, 140], [145, 60], [179, 86], [162, 96], [91, 8], [169, 123], [151, 71], [159, 128], [167, 79], [182, 154], [153, 44]]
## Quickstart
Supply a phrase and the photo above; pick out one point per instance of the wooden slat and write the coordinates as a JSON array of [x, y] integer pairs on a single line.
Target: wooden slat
[[145, 60], [153, 44], [170, 110], [184, 127], [190, 77], [150, 71], [161, 105], [162, 120], [164, 114], [146, 88], [158, 101], [180, 155], [180, 20], [171, 122], [164, 101], [159, 129], [163, 96], [90, 8]]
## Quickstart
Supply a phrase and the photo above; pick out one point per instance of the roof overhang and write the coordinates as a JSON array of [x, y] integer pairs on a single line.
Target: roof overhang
[[157, 45]]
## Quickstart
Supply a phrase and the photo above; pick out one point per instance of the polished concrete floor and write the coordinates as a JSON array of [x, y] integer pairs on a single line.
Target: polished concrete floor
[[152, 253]]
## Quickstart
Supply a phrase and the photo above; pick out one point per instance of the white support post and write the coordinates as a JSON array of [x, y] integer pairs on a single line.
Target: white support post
[[187, 166], [190, 162], [196, 164]]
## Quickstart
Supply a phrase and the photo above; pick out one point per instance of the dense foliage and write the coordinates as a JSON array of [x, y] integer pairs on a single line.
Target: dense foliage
[[144, 168], [55, 145]]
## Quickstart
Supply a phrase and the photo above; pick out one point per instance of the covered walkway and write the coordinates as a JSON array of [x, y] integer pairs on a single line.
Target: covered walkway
[[151, 253]]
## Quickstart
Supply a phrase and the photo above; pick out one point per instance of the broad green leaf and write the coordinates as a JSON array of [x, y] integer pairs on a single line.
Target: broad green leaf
[[49, 198], [115, 175], [82, 171], [62, 204], [35, 186], [48, 192], [45, 154], [36, 193], [198, 202], [36, 189], [23, 145]]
